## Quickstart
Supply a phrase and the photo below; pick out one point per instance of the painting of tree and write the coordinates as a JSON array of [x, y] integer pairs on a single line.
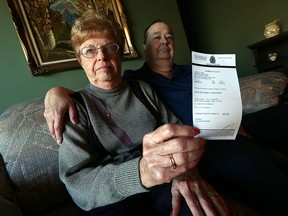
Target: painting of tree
[[51, 23], [44, 29]]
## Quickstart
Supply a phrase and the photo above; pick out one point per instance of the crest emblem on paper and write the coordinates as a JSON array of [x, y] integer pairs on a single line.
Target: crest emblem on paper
[[212, 60]]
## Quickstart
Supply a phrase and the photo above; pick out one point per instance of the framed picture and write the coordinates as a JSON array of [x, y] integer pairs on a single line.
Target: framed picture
[[43, 27]]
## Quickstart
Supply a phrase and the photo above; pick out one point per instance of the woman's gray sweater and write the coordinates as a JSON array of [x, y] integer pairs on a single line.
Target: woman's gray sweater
[[92, 178]]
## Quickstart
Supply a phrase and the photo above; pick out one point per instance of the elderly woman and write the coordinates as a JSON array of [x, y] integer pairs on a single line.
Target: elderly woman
[[117, 161]]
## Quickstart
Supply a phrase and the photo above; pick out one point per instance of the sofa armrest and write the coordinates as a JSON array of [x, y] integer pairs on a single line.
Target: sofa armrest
[[261, 90], [30, 156]]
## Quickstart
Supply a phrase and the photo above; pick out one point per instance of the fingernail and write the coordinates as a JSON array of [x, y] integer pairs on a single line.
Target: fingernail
[[196, 131], [75, 122]]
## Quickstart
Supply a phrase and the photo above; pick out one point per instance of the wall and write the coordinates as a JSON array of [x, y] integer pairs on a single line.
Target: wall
[[222, 27], [230, 26], [16, 82]]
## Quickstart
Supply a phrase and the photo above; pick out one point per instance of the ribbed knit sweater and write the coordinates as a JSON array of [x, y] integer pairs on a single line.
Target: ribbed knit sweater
[[92, 178]]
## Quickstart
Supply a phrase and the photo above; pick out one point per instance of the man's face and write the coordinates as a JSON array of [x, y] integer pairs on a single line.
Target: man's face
[[160, 43]]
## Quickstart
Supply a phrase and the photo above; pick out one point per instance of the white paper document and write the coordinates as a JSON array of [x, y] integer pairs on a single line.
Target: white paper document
[[217, 105]]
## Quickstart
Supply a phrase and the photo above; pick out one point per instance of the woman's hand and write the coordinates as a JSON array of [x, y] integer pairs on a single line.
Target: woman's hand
[[57, 104], [168, 152], [200, 197]]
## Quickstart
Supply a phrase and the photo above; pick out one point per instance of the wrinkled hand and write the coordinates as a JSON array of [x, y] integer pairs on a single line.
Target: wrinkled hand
[[57, 103], [169, 140], [200, 197]]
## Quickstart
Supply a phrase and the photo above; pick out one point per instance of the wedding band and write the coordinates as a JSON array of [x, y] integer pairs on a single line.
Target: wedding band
[[211, 194], [172, 161]]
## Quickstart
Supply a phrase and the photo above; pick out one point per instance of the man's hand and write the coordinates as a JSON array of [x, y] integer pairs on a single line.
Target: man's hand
[[168, 152], [200, 197], [57, 103]]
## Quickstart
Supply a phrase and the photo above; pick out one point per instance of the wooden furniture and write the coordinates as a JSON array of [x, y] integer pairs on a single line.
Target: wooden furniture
[[277, 45]]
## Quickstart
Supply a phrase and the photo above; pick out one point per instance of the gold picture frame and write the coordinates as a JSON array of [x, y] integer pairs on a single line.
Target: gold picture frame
[[43, 27]]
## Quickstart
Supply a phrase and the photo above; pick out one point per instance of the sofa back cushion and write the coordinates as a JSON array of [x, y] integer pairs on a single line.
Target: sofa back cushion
[[30, 155], [262, 90]]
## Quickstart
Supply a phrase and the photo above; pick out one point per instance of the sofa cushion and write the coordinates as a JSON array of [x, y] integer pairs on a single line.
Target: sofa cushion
[[261, 90], [8, 199], [31, 159]]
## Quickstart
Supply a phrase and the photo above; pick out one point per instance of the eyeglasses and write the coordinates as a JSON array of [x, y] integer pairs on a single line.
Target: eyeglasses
[[91, 52]]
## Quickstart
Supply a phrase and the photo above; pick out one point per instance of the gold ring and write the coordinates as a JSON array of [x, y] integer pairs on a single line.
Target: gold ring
[[172, 161], [211, 194]]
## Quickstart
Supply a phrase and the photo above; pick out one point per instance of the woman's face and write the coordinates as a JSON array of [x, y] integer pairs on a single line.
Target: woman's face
[[104, 69]]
